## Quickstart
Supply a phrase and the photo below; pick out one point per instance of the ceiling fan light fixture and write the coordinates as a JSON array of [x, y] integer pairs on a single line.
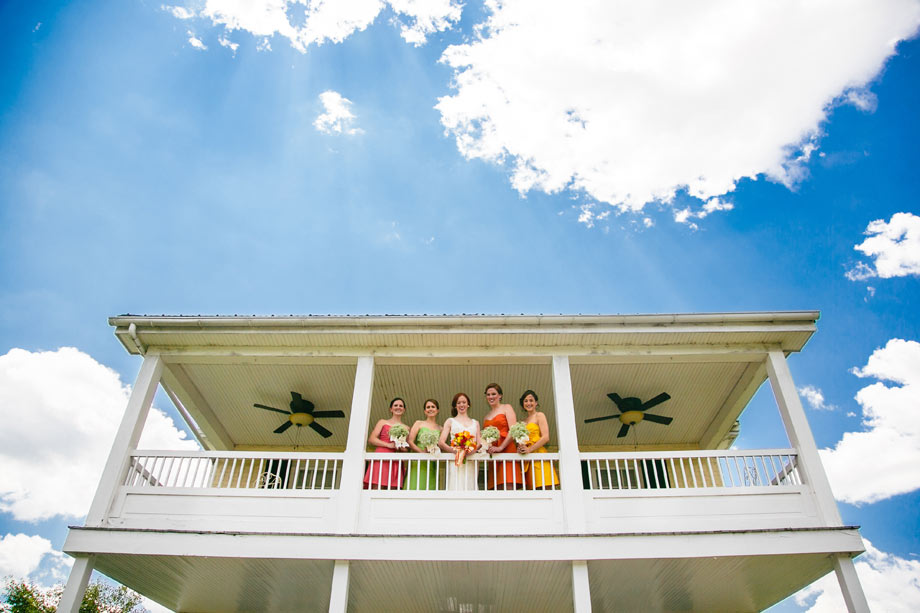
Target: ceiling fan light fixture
[[631, 418], [301, 419]]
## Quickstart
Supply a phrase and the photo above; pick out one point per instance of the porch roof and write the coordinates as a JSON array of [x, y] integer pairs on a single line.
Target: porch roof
[[217, 367]]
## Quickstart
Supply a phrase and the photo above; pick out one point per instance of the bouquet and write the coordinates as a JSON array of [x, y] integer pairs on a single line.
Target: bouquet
[[398, 434], [489, 435], [519, 433], [464, 443], [428, 440]]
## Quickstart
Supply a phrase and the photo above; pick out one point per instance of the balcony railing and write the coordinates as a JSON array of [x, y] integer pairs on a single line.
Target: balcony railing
[[237, 470], [690, 469], [431, 472]]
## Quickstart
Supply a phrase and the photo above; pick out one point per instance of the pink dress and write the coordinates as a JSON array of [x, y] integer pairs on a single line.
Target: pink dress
[[384, 474]]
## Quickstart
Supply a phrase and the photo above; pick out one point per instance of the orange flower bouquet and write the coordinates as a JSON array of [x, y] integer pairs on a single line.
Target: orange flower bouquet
[[464, 443]]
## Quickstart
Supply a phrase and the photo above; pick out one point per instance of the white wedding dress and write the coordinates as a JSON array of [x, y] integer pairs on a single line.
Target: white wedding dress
[[463, 477]]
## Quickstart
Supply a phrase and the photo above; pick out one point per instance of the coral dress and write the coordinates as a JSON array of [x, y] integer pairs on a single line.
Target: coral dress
[[384, 474], [503, 475], [541, 474], [422, 474]]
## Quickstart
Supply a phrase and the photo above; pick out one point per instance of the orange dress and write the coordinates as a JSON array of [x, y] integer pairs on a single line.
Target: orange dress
[[503, 475]]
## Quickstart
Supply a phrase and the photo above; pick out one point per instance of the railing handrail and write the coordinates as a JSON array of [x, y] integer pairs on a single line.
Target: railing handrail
[[504, 457], [689, 453], [271, 455]]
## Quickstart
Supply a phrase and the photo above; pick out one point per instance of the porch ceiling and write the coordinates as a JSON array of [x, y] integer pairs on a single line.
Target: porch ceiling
[[205, 584], [706, 397]]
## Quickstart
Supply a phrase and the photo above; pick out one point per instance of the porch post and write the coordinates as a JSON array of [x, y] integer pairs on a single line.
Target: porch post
[[852, 590], [72, 597], [129, 432], [573, 502], [338, 598], [581, 587], [799, 433], [353, 464]]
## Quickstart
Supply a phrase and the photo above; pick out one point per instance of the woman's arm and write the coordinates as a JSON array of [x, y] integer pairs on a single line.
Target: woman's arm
[[508, 412], [375, 440], [413, 432], [544, 434], [442, 442]]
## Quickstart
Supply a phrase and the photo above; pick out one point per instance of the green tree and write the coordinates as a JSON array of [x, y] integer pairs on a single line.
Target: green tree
[[25, 597]]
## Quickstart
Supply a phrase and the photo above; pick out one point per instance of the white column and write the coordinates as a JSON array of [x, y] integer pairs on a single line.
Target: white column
[[581, 587], [72, 597], [573, 502], [852, 590], [799, 433], [132, 423], [353, 465], [338, 598]]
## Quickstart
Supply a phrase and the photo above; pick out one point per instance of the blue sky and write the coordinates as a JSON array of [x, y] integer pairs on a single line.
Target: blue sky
[[713, 161]]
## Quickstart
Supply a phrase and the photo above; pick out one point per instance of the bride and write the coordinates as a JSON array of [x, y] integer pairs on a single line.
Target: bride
[[461, 477]]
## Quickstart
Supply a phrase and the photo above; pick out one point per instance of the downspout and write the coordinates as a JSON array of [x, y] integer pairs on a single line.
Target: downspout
[[132, 332]]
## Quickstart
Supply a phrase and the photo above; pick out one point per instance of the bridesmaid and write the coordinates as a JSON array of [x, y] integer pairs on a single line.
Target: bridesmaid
[[461, 477], [385, 474], [501, 475], [541, 474], [422, 474]]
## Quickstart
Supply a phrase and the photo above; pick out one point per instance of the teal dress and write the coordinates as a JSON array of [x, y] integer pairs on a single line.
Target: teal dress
[[422, 473]]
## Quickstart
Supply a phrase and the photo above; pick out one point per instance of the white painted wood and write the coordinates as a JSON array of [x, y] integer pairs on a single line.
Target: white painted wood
[[80, 573], [850, 586], [353, 465], [129, 432], [338, 596], [569, 459], [826, 541], [800, 436], [581, 587]]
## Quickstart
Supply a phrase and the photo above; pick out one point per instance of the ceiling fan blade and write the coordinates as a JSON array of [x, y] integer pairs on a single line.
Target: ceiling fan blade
[[295, 397], [262, 406], [658, 419], [594, 419], [323, 432], [648, 404], [616, 398], [328, 413], [623, 431], [283, 427]]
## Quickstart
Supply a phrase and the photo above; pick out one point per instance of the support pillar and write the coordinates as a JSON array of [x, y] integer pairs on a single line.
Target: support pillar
[[799, 433], [852, 590], [353, 465], [573, 502], [80, 573], [581, 587], [129, 432], [338, 598]]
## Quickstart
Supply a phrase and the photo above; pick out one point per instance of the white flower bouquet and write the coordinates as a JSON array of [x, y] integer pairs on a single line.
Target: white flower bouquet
[[489, 435], [428, 440], [398, 434], [519, 433]]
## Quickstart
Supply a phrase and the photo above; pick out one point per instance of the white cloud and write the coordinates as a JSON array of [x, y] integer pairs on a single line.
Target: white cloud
[[336, 116], [815, 398], [226, 42], [328, 21], [179, 12], [895, 245], [892, 435], [891, 584], [712, 205], [20, 554], [60, 410], [629, 102], [196, 42]]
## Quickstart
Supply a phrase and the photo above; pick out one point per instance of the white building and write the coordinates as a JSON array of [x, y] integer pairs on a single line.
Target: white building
[[665, 518]]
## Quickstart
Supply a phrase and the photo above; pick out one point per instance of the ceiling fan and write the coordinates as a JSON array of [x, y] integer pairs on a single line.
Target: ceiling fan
[[302, 413], [632, 411]]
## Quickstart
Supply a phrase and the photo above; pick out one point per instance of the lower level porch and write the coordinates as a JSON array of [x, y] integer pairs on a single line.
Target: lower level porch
[[713, 571]]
